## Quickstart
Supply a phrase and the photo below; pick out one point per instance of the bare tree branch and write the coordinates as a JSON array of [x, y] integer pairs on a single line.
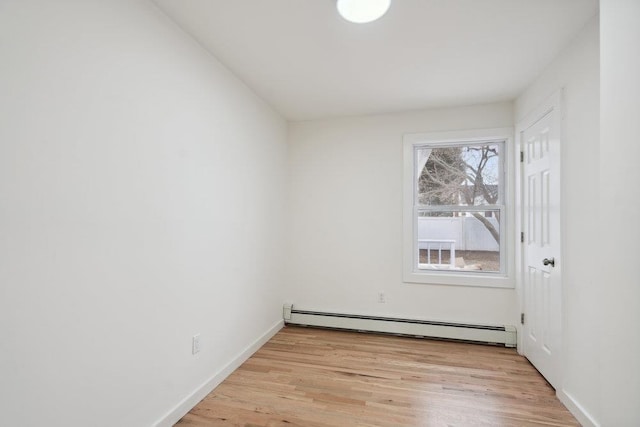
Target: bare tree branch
[[451, 176]]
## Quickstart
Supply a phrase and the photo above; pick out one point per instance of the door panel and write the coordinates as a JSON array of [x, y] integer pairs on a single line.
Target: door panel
[[542, 289]]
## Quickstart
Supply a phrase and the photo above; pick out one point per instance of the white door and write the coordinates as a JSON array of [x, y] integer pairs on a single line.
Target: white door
[[540, 144]]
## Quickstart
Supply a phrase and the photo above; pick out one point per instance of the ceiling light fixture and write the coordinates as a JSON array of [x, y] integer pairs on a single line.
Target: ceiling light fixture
[[362, 11]]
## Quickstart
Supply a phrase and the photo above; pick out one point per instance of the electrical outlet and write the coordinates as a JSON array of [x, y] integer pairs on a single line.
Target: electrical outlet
[[195, 344], [382, 297]]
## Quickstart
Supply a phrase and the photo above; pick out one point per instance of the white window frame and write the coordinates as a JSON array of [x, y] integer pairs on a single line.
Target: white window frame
[[411, 274]]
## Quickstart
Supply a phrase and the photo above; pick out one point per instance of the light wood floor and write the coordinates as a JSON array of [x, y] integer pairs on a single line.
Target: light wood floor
[[318, 378]]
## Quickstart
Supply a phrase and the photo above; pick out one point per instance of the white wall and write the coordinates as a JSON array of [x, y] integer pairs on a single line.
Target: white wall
[[142, 192], [577, 71], [619, 281], [345, 235]]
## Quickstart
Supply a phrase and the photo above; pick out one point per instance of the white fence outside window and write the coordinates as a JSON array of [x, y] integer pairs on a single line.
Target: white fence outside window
[[468, 233]]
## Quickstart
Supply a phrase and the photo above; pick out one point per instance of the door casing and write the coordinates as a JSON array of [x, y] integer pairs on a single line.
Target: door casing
[[553, 103]]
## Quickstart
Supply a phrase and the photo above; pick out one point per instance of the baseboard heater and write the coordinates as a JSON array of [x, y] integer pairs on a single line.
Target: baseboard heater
[[487, 334]]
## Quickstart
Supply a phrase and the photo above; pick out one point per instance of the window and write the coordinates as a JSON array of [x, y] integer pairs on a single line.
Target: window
[[456, 215]]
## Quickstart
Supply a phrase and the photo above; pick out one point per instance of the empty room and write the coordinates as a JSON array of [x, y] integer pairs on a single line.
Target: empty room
[[319, 213]]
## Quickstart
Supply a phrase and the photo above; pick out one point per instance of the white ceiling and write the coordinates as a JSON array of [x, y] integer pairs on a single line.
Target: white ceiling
[[309, 63]]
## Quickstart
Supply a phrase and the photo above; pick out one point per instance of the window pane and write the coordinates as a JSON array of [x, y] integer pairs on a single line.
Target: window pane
[[459, 241], [462, 175]]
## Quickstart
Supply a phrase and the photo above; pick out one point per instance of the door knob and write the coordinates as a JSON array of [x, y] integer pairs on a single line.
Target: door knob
[[549, 261]]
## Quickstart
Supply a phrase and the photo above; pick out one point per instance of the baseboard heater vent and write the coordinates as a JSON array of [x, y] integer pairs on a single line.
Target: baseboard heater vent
[[501, 335]]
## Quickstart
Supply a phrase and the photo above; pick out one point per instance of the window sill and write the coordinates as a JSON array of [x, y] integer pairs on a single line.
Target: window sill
[[471, 278]]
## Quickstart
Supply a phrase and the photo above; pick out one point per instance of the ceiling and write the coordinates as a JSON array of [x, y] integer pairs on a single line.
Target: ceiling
[[309, 63]]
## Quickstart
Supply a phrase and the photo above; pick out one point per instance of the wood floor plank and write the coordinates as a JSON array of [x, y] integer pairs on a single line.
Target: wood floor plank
[[321, 378]]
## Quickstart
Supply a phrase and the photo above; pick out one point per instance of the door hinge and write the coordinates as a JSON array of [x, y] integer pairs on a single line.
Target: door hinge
[[522, 237], [522, 318], [521, 156]]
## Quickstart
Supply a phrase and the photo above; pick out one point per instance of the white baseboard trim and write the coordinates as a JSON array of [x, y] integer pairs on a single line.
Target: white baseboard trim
[[576, 409], [182, 408]]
